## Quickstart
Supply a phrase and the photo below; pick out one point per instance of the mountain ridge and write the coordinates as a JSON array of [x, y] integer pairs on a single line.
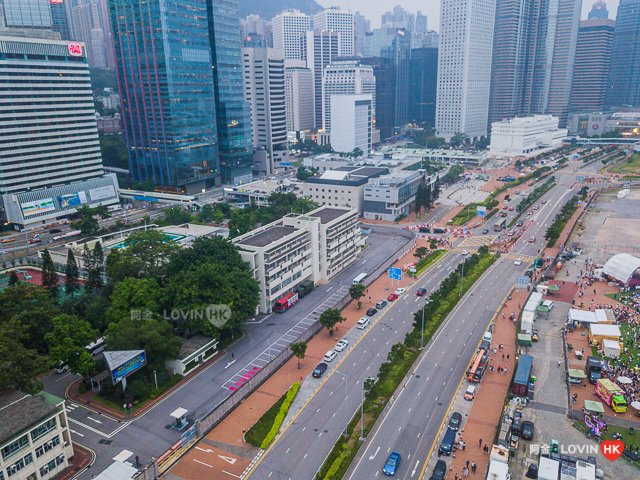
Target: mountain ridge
[[268, 9]]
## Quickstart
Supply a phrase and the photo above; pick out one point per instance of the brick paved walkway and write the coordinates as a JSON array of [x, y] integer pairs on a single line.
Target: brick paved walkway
[[81, 459]]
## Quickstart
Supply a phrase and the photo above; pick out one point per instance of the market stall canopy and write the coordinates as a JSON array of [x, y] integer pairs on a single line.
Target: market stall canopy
[[635, 405], [582, 316], [621, 267], [575, 373], [624, 380], [593, 406]]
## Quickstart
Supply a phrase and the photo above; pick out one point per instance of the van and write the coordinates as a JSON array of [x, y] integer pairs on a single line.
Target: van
[[363, 323], [487, 337], [330, 355], [470, 393], [446, 447]]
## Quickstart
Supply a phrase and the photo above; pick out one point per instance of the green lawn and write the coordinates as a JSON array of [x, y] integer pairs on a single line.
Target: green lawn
[[256, 434], [423, 264], [629, 166], [630, 438]]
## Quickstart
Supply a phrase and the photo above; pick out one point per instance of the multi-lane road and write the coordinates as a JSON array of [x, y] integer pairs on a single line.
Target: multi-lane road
[[411, 422]]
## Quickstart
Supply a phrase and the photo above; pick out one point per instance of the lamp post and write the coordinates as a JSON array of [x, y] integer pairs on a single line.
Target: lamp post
[[346, 406]]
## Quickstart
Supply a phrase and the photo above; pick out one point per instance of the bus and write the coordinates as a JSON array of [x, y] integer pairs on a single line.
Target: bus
[[500, 225], [97, 347], [360, 278], [474, 374], [72, 233]]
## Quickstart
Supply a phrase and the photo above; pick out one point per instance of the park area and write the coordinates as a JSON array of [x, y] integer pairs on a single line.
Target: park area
[[630, 166]]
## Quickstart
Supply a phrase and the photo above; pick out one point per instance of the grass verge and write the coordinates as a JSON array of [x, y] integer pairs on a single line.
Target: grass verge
[[427, 261], [262, 433], [566, 212], [400, 360]]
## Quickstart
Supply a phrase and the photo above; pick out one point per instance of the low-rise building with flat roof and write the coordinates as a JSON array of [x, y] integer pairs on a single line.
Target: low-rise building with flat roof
[[526, 136], [389, 196], [456, 157], [35, 442], [315, 246]]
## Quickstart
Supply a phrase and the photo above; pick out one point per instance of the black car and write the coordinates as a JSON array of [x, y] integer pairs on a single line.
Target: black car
[[455, 421], [319, 370], [516, 424], [485, 231], [421, 291], [527, 430], [371, 312], [440, 471], [520, 223]]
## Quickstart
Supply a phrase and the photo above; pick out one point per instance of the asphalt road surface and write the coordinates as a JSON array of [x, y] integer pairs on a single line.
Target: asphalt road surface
[[150, 435]]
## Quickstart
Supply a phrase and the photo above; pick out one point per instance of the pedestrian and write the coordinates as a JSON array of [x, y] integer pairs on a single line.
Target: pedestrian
[[467, 463], [465, 472], [503, 356], [479, 443], [474, 467], [559, 362], [456, 477], [507, 356], [232, 356]]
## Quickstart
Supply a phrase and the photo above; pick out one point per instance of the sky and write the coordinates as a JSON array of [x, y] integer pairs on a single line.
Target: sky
[[373, 9]]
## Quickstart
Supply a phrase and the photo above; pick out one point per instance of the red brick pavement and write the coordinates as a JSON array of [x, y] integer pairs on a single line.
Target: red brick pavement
[[81, 459]]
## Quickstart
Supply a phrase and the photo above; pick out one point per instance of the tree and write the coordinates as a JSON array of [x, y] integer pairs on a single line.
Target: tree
[[356, 291], [50, 276], [86, 220], [93, 261], [330, 318], [175, 216], [453, 174], [299, 349], [206, 213], [67, 340], [71, 281], [417, 206], [13, 279], [147, 254], [483, 250], [458, 139], [433, 244], [435, 142], [21, 365], [427, 199], [303, 173], [436, 189], [357, 152], [114, 150], [421, 252]]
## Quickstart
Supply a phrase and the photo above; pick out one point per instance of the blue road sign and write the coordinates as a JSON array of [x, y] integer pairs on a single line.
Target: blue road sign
[[522, 281], [395, 273]]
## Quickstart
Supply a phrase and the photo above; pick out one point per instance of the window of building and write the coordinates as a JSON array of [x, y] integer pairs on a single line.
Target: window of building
[[14, 447], [19, 465], [47, 446], [43, 429]]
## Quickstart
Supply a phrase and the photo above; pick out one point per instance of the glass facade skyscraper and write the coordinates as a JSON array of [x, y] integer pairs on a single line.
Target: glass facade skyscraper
[[233, 115], [624, 75], [27, 13], [163, 62]]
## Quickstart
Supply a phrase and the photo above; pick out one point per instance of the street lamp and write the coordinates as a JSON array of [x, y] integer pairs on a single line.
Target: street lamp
[[346, 406]]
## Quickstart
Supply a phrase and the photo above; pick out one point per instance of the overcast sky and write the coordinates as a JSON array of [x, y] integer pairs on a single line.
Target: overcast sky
[[373, 9]]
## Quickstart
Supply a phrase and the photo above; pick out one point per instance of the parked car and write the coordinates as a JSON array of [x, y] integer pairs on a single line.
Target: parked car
[[534, 335], [400, 291], [392, 297], [455, 421], [439, 471], [470, 393], [319, 370], [330, 355], [485, 231], [341, 345], [392, 464], [381, 304], [527, 430], [363, 323], [371, 312], [421, 291]]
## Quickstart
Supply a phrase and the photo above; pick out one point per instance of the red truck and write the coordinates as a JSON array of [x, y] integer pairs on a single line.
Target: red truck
[[285, 303]]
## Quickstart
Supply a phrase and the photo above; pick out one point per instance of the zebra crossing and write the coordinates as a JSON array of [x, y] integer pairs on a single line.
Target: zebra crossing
[[477, 241], [516, 256], [278, 346]]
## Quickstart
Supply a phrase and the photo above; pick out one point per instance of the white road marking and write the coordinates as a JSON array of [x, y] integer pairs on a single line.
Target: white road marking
[[94, 420], [77, 433], [202, 463]]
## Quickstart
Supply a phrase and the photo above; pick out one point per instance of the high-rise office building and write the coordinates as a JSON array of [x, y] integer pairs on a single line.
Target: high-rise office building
[[168, 114], [298, 83], [352, 116], [534, 49], [599, 10], [464, 67], [256, 31], [288, 28], [27, 14], [232, 111], [341, 21], [421, 24], [90, 26], [264, 91], [319, 49], [346, 77], [399, 18], [423, 86], [624, 75], [61, 19], [361, 27], [592, 64], [384, 72], [50, 161]]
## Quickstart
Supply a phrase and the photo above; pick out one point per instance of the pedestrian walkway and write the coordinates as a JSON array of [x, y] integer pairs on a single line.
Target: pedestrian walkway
[[478, 241]]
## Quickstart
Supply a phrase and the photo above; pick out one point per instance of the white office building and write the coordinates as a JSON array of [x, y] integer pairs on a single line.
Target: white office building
[[352, 123], [288, 28], [50, 160], [336, 20], [264, 91], [526, 136], [346, 77], [299, 99], [389, 196], [315, 246], [35, 442], [464, 67]]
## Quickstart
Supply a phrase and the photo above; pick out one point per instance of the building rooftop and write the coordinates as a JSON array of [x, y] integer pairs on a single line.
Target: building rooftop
[[327, 215], [20, 411], [267, 236], [192, 345], [346, 175]]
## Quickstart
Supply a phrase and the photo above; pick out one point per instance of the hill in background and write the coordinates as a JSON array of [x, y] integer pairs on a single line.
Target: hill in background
[[268, 9]]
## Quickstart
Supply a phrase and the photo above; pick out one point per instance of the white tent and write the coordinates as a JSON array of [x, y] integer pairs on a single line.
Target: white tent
[[605, 315], [581, 316], [531, 306], [526, 323], [535, 297], [605, 330], [611, 348], [621, 267]]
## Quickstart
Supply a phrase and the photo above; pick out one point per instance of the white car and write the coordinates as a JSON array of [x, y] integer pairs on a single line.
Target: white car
[[465, 252], [400, 291], [341, 345], [517, 262]]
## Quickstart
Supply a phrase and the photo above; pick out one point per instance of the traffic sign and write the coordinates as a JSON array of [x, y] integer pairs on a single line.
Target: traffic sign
[[395, 273], [522, 281], [481, 211]]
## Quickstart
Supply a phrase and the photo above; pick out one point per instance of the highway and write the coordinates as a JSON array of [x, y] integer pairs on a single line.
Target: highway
[[412, 420]]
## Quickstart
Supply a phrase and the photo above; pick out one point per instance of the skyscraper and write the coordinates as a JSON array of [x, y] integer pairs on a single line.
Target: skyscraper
[[341, 21], [319, 49], [464, 67], [423, 86], [352, 116], [534, 49], [169, 113], [298, 82], [592, 65], [384, 72], [624, 76], [361, 27], [264, 91], [90, 27], [399, 18], [288, 28], [50, 160], [27, 14], [421, 24], [60, 19], [232, 112], [599, 10]]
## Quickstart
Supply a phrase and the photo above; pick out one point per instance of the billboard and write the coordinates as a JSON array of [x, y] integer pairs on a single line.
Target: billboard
[[74, 49], [37, 206], [130, 364], [101, 193], [72, 200]]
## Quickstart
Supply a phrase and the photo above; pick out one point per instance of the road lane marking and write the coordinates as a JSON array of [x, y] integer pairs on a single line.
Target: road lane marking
[[77, 433], [94, 420], [374, 455], [205, 464]]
